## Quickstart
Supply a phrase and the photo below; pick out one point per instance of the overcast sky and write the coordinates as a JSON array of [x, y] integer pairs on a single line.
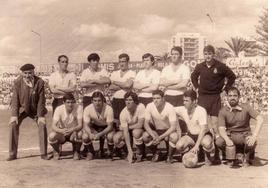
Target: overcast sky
[[79, 27]]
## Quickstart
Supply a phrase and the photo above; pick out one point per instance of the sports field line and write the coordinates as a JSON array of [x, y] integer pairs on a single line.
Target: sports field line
[[37, 148]]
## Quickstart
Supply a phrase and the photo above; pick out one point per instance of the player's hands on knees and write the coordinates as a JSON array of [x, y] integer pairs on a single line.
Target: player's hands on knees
[[96, 136], [251, 140], [195, 149], [229, 142], [13, 119], [156, 140]]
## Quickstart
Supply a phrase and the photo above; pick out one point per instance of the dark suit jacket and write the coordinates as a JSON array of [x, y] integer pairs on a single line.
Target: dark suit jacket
[[31, 100]]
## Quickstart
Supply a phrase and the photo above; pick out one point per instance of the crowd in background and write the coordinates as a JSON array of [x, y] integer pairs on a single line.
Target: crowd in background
[[251, 81]]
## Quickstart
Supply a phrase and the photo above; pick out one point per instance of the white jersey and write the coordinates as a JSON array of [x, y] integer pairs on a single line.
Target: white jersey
[[182, 73], [194, 123], [68, 120], [161, 120], [89, 74], [106, 116], [57, 79], [116, 76], [127, 119], [146, 77]]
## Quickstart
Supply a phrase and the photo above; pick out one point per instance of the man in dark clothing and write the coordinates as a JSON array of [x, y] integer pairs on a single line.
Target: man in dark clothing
[[208, 79], [28, 100]]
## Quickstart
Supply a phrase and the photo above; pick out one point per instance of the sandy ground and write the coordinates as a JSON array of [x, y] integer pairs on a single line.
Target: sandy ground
[[30, 171]]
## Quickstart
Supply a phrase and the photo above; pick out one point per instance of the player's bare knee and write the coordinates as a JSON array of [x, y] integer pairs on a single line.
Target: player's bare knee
[[180, 146], [220, 143], [85, 138], [146, 137], [79, 135], [117, 138], [110, 136], [207, 142], [52, 136], [137, 133], [173, 137]]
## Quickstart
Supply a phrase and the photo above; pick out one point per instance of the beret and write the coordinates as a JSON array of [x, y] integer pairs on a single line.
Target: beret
[[27, 67]]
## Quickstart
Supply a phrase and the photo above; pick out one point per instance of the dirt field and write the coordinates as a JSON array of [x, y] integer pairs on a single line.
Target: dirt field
[[30, 171]]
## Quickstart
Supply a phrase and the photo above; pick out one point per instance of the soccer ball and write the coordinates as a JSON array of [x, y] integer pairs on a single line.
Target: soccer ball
[[190, 160]]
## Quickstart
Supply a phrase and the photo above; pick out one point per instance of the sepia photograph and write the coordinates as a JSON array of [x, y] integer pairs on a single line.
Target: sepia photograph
[[134, 94]]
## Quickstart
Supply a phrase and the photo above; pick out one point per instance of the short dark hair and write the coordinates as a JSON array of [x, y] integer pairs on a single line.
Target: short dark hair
[[68, 96], [94, 57], [177, 48], [148, 55], [133, 95], [158, 92], [124, 55], [190, 93], [65, 56], [232, 88], [98, 94], [209, 48]]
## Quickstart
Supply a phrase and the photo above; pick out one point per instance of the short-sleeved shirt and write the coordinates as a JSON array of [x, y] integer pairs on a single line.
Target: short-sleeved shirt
[[106, 116], [68, 120], [161, 120], [89, 74], [127, 119], [236, 120], [183, 73], [63, 80], [194, 123], [144, 77], [116, 76]]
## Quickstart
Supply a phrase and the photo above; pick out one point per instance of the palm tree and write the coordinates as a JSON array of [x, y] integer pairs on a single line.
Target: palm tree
[[237, 45], [222, 53]]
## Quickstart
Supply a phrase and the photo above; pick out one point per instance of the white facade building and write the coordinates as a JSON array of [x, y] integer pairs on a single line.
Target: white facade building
[[191, 43]]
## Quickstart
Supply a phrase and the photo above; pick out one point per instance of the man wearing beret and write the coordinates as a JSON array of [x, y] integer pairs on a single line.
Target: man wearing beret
[[28, 100]]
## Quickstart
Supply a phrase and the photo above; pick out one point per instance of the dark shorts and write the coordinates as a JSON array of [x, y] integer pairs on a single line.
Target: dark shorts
[[56, 102], [212, 103], [159, 132], [176, 100], [145, 100], [96, 128], [195, 137], [118, 105], [86, 101]]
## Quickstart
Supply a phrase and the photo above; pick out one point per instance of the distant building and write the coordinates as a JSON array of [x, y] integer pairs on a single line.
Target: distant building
[[191, 43]]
